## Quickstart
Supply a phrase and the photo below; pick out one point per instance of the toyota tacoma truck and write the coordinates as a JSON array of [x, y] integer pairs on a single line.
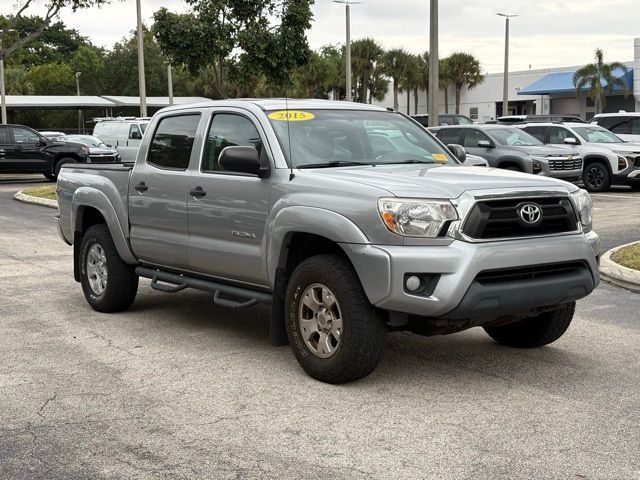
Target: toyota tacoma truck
[[296, 204]]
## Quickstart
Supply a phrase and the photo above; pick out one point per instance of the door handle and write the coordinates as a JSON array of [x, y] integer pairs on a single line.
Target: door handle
[[141, 187], [198, 192]]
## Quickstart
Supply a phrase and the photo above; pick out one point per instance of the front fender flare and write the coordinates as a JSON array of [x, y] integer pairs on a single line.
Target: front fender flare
[[85, 197], [312, 220]]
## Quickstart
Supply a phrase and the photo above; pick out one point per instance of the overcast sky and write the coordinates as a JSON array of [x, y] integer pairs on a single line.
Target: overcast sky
[[548, 33]]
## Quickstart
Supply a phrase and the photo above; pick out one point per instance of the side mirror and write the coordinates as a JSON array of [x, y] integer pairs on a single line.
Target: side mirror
[[458, 151], [485, 144], [242, 160], [571, 141], [135, 135]]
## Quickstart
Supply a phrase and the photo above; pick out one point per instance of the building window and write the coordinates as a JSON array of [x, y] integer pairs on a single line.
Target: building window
[[473, 113]]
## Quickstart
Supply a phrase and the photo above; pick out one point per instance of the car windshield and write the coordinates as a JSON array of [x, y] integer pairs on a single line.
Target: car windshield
[[597, 135], [513, 136], [88, 140], [464, 121], [334, 138]]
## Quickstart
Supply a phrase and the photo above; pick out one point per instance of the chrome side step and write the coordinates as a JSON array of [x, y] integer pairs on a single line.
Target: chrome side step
[[226, 295]]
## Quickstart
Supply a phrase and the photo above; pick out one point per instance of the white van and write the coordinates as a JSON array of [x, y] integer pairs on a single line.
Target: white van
[[123, 133]]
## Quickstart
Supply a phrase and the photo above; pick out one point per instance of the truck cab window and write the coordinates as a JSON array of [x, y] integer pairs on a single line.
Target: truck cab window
[[172, 142], [22, 135], [228, 130], [134, 132]]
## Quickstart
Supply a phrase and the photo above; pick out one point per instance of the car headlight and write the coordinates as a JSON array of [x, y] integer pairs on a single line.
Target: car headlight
[[622, 162], [416, 217], [582, 201]]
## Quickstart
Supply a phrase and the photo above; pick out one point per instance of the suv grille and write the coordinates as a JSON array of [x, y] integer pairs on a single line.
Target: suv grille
[[565, 164], [492, 219], [533, 272]]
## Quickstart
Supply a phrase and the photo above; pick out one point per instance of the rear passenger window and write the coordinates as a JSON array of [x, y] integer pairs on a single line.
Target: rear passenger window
[[172, 142], [449, 135], [228, 130]]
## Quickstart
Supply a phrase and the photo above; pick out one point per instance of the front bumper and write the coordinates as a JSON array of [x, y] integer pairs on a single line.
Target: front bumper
[[559, 168], [382, 271]]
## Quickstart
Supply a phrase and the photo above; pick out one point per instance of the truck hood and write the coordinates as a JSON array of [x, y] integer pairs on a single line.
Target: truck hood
[[626, 147], [541, 150], [436, 181]]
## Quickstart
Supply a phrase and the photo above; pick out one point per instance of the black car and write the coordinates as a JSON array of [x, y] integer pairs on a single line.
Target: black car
[[99, 152], [23, 150]]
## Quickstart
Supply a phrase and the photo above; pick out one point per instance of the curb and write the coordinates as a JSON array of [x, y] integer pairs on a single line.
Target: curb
[[43, 202], [617, 274]]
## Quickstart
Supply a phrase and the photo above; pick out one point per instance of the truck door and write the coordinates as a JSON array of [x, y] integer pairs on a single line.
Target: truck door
[[28, 155], [158, 193], [228, 211]]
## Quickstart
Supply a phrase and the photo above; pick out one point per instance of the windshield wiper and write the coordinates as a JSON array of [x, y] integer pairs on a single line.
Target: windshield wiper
[[334, 163], [411, 160]]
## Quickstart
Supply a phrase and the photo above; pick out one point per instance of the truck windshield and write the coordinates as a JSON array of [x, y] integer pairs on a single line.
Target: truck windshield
[[335, 138]]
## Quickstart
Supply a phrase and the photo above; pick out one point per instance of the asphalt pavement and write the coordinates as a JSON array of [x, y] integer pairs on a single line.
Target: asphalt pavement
[[178, 388]]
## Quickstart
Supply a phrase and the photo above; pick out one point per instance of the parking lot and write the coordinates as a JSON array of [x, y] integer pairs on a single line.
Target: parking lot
[[179, 388]]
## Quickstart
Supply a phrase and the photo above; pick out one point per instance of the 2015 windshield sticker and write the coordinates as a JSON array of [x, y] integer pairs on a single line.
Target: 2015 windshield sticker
[[291, 115], [439, 157]]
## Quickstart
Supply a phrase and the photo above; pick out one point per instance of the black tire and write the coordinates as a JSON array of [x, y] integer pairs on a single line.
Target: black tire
[[596, 177], [635, 187], [363, 331], [513, 168], [122, 282], [59, 164], [536, 331], [50, 176]]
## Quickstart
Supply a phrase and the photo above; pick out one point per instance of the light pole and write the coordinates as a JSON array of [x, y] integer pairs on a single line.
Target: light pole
[[434, 73], [3, 100], [170, 84], [347, 47], [505, 85], [141, 84], [77, 75]]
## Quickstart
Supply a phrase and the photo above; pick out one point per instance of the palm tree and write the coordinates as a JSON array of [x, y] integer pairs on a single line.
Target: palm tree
[[465, 72], [411, 79], [444, 80], [422, 81], [378, 85], [394, 64], [364, 55], [599, 77]]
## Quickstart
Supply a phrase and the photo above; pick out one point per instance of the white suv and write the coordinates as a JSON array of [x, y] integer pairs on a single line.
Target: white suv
[[626, 125], [608, 160]]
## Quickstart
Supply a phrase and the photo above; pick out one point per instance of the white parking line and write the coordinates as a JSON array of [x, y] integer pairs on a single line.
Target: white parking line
[[604, 195]]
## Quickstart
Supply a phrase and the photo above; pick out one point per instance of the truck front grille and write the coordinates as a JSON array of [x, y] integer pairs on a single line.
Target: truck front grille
[[565, 163], [492, 219], [533, 272]]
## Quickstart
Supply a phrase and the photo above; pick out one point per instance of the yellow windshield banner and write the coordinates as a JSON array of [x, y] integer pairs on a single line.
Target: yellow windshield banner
[[439, 157], [291, 116]]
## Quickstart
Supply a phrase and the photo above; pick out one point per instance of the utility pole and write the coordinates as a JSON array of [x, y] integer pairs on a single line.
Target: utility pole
[[3, 99], [170, 84], [142, 88], [347, 48], [505, 84], [434, 74], [77, 75]]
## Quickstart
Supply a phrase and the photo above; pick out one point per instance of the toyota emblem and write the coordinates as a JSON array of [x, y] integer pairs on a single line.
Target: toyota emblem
[[530, 213]]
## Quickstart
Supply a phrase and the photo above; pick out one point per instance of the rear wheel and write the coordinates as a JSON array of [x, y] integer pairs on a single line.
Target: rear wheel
[[596, 178], [335, 333], [536, 331], [108, 283]]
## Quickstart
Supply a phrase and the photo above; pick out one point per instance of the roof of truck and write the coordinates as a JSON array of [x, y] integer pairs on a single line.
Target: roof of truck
[[283, 104]]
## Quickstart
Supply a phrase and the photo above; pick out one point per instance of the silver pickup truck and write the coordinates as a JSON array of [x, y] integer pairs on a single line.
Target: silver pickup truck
[[348, 220]]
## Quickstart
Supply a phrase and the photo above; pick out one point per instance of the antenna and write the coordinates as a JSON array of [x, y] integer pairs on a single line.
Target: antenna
[[286, 106]]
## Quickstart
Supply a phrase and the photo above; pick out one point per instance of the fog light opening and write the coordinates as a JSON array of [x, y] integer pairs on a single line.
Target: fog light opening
[[413, 283]]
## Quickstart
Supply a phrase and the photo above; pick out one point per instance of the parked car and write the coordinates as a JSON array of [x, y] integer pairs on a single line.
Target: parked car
[[444, 119], [51, 135], [99, 152], [344, 241], [514, 119], [24, 150], [123, 133], [607, 159], [625, 125], [511, 148]]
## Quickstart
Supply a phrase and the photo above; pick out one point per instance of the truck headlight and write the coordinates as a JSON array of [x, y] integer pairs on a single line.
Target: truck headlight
[[622, 162], [582, 201], [411, 217]]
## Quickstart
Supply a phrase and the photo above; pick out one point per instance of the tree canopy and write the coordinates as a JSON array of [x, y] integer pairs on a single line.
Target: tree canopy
[[599, 78]]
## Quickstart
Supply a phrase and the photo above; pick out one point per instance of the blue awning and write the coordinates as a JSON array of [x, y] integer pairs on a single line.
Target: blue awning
[[562, 82]]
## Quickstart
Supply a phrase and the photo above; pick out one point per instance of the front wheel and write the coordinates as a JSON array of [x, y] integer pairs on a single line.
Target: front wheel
[[534, 332], [108, 283], [596, 178], [50, 176], [335, 333]]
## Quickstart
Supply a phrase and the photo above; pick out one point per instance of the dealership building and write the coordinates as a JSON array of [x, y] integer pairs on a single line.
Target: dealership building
[[534, 92]]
